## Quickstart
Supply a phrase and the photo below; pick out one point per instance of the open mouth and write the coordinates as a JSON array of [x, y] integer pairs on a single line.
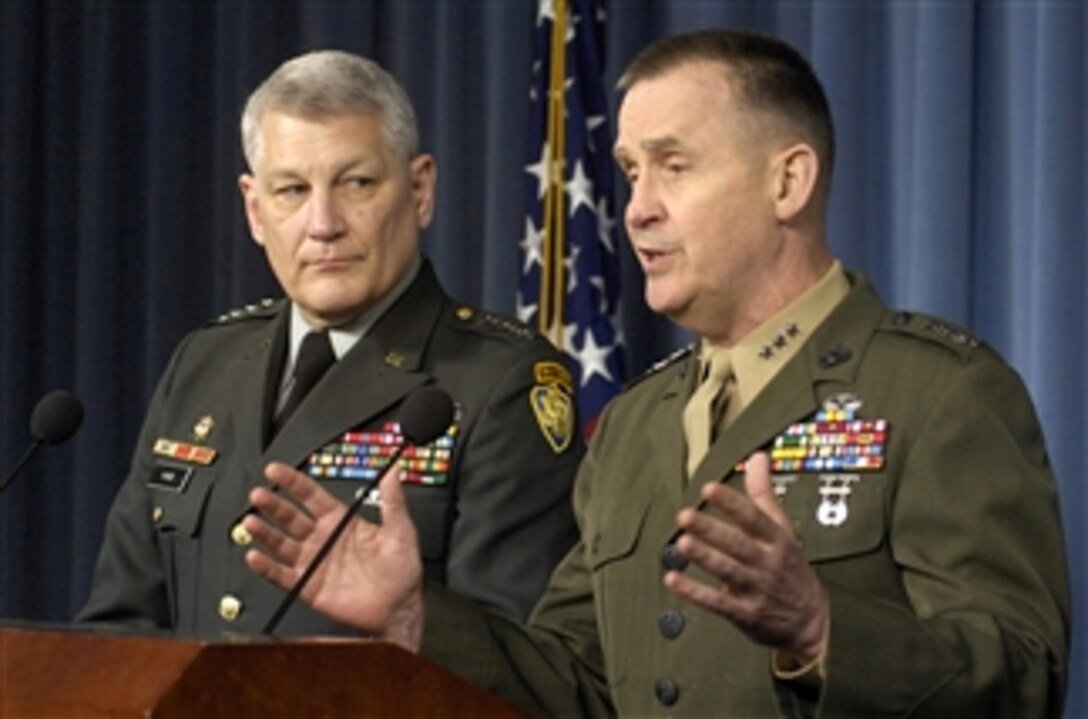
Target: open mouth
[[652, 257]]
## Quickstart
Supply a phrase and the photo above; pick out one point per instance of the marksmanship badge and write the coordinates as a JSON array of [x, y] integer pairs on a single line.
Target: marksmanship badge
[[834, 491]]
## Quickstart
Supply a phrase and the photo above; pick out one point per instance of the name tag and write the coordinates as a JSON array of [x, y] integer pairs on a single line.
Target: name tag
[[174, 479]]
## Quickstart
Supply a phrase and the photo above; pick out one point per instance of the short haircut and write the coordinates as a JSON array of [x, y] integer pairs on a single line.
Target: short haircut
[[327, 83], [768, 75]]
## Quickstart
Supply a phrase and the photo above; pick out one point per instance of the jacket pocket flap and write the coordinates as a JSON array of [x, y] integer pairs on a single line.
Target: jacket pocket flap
[[836, 515], [179, 506]]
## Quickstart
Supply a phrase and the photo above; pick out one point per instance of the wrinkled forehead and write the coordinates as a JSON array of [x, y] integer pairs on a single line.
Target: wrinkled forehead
[[666, 109]]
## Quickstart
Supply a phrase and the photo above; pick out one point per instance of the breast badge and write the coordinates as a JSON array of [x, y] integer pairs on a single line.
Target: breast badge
[[834, 491], [553, 405], [203, 429], [782, 483]]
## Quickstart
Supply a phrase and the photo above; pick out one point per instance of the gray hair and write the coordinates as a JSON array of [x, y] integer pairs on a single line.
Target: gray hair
[[325, 83]]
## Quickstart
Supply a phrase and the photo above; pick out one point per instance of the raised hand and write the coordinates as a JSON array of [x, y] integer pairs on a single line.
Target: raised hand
[[765, 585], [372, 577]]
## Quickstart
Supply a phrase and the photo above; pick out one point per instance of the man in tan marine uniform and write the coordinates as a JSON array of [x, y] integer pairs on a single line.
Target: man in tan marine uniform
[[829, 508]]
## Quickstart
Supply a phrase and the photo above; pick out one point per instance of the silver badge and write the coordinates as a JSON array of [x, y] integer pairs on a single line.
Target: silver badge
[[835, 489], [373, 496], [845, 401], [782, 483]]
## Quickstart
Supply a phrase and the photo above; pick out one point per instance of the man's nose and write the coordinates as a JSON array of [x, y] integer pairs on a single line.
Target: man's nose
[[326, 220], [644, 205]]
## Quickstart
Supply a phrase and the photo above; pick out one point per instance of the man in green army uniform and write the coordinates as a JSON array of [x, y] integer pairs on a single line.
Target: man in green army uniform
[[827, 508], [338, 196]]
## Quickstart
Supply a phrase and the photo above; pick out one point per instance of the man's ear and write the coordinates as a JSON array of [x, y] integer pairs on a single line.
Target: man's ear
[[424, 173], [250, 202], [797, 171]]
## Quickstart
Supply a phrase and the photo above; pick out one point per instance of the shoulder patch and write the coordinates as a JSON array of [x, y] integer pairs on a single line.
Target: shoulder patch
[[553, 373], [660, 365], [262, 309], [552, 402], [933, 329], [506, 325]]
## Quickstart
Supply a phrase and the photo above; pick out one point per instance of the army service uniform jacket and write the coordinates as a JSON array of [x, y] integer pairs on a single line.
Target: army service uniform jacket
[[492, 508], [943, 563]]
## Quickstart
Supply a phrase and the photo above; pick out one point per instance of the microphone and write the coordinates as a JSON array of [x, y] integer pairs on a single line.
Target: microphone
[[55, 418], [423, 417], [427, 412]]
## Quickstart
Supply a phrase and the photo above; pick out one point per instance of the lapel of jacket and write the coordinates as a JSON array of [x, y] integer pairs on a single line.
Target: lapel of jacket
[[254, 384], [667, 438], [382, 367], [831, 355]]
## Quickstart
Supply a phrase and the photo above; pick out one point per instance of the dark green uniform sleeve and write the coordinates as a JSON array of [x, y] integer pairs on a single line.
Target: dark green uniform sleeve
[[129, 587], [553, 666], [974, 529], [513, 519]]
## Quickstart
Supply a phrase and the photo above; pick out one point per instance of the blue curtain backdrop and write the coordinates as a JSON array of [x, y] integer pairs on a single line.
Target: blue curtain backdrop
[[961, 189]]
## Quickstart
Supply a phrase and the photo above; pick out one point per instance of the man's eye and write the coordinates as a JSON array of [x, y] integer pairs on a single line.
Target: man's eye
[[360, 183], [290, 190]]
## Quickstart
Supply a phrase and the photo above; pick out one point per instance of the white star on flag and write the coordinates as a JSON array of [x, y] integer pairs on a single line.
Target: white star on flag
[[570, 270]]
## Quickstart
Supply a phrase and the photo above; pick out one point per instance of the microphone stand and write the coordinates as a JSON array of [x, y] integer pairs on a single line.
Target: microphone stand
[[21, 463], [326, 547]]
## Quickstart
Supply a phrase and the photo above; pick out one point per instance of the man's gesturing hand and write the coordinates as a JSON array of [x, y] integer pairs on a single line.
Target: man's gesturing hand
[[371, 578], [765, 585]]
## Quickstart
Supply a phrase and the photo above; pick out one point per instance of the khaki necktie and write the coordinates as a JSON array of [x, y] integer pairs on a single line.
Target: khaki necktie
[[707, 406]]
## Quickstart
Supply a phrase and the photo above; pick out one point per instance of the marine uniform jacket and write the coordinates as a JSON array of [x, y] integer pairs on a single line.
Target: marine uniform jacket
[[493, 526], [944, 568]]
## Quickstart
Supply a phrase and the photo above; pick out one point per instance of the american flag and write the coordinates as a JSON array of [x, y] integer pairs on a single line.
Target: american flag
[[570, 267]]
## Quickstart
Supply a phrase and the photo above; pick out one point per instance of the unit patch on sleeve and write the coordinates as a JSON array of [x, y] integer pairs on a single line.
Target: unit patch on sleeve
[[553, 405]]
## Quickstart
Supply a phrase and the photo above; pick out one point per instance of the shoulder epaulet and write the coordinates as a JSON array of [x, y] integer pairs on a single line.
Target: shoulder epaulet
[[471, 316], [933, 329], [660, 365], [263, 309]]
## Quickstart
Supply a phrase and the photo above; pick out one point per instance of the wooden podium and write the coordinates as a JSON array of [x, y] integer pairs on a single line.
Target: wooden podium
[[61, 673]]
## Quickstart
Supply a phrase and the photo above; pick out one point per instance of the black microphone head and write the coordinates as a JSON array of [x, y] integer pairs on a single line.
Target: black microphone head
[[426, 413], [56, 417]]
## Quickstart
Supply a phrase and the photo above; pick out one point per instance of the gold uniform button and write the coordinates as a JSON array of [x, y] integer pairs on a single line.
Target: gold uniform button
[[156, 514], [230, 607], [464, 313], [241, 536]]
